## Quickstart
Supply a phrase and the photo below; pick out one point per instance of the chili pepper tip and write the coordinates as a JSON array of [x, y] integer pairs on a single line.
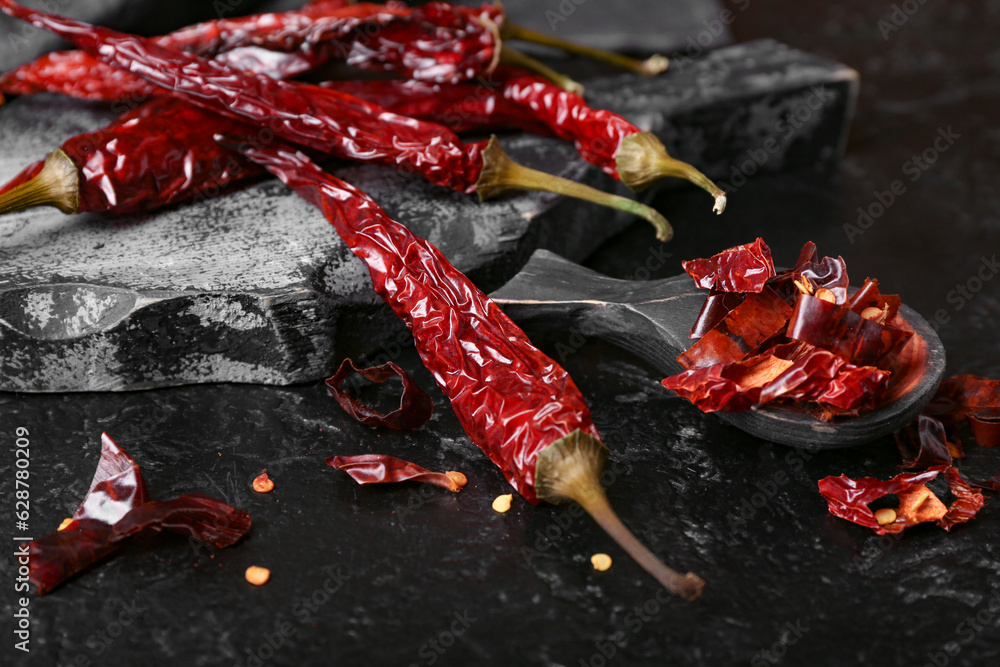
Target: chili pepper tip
[[57, 185], [501, 174], [570, 469]]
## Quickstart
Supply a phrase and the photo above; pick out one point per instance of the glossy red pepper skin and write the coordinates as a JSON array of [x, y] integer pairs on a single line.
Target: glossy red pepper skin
[[511, 399], [327, 121], [436, 42], [281, 44], [161, 153], [508, 98]]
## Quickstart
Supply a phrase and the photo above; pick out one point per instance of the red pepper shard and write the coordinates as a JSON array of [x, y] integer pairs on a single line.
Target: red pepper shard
[[193, 515], [383, 469], [118, 505], [714, 310], [845, 332], [923, 443], [828, 273], [850, 499], [744, 268], [870, 297], [970, 398], [740, 332], [415, 406], [815, 376]]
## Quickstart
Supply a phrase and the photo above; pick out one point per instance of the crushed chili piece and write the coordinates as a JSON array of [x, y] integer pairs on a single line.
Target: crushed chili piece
[[117, 505], [383, 469], [850, 499], [262, 483], [923, 443], [415, 406], [744, 268]]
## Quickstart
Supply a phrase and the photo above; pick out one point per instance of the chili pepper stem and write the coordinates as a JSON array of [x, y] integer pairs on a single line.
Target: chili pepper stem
[[643, 160], [57, 184], [649, 67], [511, 56], [569, 469], [501, 174]]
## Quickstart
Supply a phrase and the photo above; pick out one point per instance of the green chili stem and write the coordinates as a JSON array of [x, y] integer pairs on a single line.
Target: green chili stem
[[511, 56], [57, 184], [570, 469], [653, 65], [501, 174], [642, 160]]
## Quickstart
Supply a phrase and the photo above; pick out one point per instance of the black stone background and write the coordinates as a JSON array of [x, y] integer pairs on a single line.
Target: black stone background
[[416, 569]]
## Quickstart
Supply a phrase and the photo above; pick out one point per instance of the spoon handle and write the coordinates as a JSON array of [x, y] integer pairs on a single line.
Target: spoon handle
[[649, 318]]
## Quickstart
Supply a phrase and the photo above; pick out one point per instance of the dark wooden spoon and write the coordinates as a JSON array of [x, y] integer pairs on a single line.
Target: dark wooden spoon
[[653, 318]]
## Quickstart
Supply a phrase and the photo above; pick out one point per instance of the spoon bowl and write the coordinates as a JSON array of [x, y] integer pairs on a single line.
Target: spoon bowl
[[652, 319]]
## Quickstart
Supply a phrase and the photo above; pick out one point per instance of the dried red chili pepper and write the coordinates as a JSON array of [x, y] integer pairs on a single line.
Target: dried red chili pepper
[[849, 499], [513, 99], [327, 121], [281, 45], [745, 268], [117, 505], [161, 153], [382, 469], [415, 406], [520, 407]]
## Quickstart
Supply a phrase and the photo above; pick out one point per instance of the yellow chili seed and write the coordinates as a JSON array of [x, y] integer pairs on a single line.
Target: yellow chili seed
[[601, 562], [257, 575], [871, 313], [826, 295], [65, 522], [502, 503], [885, 515], [262, 483]]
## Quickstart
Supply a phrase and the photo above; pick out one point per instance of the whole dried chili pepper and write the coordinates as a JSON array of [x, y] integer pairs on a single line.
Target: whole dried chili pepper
[[159, 154], [513, 98], [333, 123], [282, 45], [520, 407], [436, 42]]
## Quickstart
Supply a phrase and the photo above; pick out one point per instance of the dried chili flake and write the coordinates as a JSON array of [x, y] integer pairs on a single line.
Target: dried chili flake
[[826, 274], [850, 499], [382, 469], [845, 333], [117, 505], [870, 297], [923, 443], [970, 398], [744, 268], [823, 378], [758, 318], [415, 406], [714, 310]]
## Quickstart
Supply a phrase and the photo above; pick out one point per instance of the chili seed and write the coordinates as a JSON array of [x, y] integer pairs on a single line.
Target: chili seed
[[885, 515], [262, 483], [601, 562], [257, 575], [502, 503], [457, 477], [871, 313], [65, 522], [826, 295]]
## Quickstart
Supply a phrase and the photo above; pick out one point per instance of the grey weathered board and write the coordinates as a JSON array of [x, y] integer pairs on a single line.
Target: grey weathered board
[[255, 286]]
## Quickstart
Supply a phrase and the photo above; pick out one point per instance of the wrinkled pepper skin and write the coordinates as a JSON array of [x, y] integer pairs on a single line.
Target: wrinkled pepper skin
[[510, 398], [333, 123]]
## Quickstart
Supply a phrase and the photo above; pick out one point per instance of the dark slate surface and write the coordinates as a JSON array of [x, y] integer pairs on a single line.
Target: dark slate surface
[[255, 287], [787, 584]]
